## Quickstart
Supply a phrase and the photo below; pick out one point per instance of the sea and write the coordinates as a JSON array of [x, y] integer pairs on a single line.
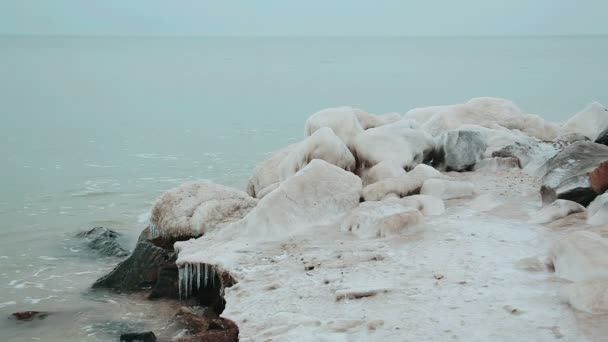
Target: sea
[[94, 129]]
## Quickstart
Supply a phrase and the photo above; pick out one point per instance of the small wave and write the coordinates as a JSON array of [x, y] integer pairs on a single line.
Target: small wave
[[30, 300], [100, 166], [143, 218], [154, 156], [93, 193], [8, 303]]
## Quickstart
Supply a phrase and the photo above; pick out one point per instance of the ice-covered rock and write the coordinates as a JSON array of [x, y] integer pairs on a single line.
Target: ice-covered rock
[[396, 142], [342, 120], [427, 205], [556, 210], [602, 138], [568, 169], [322, 144], [587, 296], [317, 194], [380, 219], [459, 150], [266, 173], [400, 186], [368, 120], [597, 212], [447, 189], [590, 122], [567, 139], [598, 178], [580, 256], [195, 208], [383, 170], [483, 111]]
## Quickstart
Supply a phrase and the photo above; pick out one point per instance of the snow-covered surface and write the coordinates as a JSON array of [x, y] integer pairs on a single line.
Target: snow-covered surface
[[460, 277], [590, 122]]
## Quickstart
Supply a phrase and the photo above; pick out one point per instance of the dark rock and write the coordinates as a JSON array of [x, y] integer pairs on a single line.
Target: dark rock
[[29, 315], [204, 325], [138, 337], [599, 178], [582, 196], [459, 150], [167, 284], [568, 170], [602, 138], [104, 241], [139, 271]]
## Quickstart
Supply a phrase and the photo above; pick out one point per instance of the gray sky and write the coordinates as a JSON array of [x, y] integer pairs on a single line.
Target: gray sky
[[304, 17]]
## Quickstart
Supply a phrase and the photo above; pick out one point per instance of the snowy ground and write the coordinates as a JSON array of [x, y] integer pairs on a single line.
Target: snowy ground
[[475, 273]]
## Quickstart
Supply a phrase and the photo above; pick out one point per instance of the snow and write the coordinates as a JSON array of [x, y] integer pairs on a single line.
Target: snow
[[557, 210], [447, 189]]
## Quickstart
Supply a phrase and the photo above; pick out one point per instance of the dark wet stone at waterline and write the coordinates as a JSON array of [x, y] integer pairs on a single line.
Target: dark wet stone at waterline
[[138, 337], [104, 241]]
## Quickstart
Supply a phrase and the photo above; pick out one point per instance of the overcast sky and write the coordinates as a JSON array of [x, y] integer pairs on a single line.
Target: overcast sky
[[304, 17]]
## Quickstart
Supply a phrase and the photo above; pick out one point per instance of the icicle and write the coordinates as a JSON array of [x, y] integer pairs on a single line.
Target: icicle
[[198, 276], [212, 277], [188, 275], [180, 272], [205, 276]]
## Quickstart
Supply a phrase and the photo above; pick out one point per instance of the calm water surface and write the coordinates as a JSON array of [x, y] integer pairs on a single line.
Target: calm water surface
[[94, 129]]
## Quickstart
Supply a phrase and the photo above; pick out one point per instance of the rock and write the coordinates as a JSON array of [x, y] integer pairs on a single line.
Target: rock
[[397, 142], [599, 178], [587, 296], [380, 219], [318, 194], [557, 210], [590, 122], [401, 186], [602, 138], [582, 196], [521, 152], [266, 173], [342, 120], [568, 169], [323, 144], [167, 283], [427, 205], [138, 337], [447, 189], [497, 163], [195, 208], [104, 241], [383, 170], [206, 328], [483, 111], [459, 150], [139, 271], [28, 315], [580, 256], [368, 120], [568, 139], [597, 213]]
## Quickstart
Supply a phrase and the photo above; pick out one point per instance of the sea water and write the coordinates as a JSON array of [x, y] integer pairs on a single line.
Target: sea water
[[92, 130]]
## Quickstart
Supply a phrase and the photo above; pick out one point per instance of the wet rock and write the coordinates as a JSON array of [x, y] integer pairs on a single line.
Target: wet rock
[[204, 325], [582, 196], [167, 284], [602, 138], [138, 337], [28, 315], [599, 178], [568, 170], [104, 241], [139, 271], [459, 150]]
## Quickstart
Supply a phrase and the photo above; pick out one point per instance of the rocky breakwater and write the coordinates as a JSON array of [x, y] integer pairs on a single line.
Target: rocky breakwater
[[285, 258]]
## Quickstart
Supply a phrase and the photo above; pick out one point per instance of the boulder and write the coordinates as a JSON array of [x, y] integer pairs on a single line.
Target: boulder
[[104, 241], [597, 213], [368, 120], [557, 210], [383, 170], [342, 120], [580, 256], [139, 271], [323, 144], [195, 208], [598, 178], [396, 142], [380, 219], [587, 296], [447, 189], [400, 186], [203, 325], [567, 139], [28, 315], [318, 194], [459, 150], [589, 122], [602, 138], [582, 195], [568, 169], [138, 337], [266, 173]]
